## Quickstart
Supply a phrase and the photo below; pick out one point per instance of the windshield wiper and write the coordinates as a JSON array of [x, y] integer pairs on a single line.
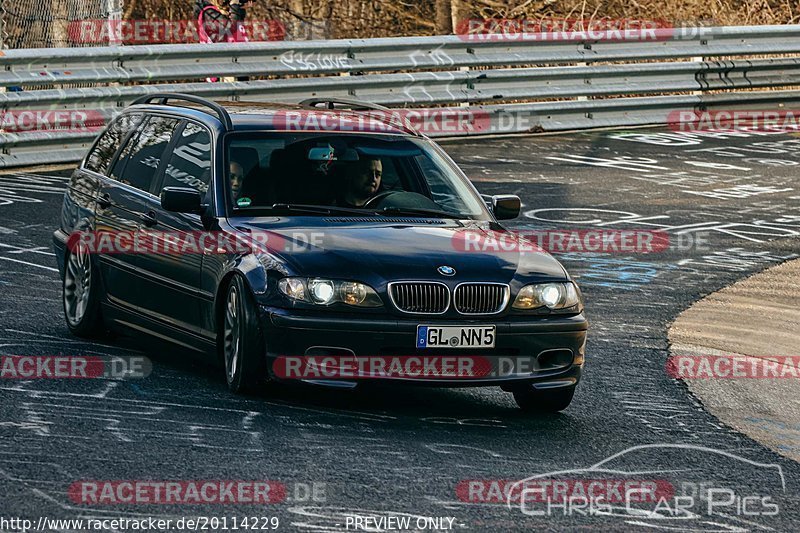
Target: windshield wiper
[[412, 211], [317, 209]]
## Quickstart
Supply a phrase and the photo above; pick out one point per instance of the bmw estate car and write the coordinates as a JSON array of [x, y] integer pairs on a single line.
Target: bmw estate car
[[351, 251]]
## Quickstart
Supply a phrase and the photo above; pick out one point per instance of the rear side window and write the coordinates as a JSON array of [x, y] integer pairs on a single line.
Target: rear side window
[[189, 165], [139, 161], [107, 145]]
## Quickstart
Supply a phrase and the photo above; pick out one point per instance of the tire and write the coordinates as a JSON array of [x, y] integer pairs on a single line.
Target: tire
[[241, 341], [80, 293], [531, 400]]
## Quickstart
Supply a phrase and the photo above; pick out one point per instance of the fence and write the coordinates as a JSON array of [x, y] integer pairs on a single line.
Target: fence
[[534, 83], [45, 23]]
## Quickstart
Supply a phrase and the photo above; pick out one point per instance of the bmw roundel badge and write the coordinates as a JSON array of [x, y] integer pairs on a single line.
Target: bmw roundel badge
[[445, 270]]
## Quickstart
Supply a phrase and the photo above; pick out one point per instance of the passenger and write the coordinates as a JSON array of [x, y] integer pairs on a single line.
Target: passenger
[[237, 177]]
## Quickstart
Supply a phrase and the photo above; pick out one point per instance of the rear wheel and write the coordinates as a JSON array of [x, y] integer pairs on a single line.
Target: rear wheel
[[532, 400], [81, 293], [242, 341]]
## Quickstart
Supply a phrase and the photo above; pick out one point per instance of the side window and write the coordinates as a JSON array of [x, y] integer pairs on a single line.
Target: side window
[[100, 157], [189, 165], [139, 161]]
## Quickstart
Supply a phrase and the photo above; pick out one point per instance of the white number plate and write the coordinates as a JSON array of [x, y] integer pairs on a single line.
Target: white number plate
[[455, 336]]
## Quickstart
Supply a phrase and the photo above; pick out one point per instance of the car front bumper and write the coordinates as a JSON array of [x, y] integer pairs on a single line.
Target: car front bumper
[[545, 352]]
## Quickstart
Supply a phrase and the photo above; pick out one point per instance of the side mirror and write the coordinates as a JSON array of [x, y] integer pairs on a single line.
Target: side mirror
[[181, 200], [506, 206]]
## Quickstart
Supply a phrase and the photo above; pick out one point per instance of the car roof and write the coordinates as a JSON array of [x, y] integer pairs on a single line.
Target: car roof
[[270, 116]]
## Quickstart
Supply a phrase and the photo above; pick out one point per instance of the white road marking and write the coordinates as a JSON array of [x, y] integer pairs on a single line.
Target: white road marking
[[29, 264]]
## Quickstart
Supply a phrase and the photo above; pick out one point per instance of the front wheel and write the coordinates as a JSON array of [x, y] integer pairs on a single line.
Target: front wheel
[[81, 293], [242, 341], [532, 400]]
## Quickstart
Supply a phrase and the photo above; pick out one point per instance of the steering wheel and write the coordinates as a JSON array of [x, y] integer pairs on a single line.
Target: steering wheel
[[377, 199]]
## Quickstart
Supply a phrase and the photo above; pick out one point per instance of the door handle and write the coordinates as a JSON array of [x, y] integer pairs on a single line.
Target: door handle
[[148, 219], [104, 200]]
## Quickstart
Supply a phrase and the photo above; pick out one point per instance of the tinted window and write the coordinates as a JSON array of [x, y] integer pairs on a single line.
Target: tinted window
[[139, 161], [189, 165], [345, 170], [434, 170], [107, 145]]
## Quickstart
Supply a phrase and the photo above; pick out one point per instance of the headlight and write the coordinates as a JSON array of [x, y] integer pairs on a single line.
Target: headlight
[[353, 293], [550, 295], [294, 288], [322, 291], [326, 292]]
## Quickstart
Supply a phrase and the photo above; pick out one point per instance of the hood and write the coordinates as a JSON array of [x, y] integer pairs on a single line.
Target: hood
[[378, 251]]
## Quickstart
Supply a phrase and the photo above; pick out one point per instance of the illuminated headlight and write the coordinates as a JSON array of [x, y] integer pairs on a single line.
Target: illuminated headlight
[[550, 295], [322, 291], [326, 292]]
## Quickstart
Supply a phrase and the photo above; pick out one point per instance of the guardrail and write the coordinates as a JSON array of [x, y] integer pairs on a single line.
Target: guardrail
[[616, 82]]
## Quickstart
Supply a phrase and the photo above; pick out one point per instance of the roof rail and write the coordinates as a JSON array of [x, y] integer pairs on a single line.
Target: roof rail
[[355, 105], [360, 105], [164, 98]]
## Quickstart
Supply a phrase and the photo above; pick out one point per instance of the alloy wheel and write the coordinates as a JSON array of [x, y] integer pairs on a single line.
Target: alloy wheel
[[232, 333], [77, 284]]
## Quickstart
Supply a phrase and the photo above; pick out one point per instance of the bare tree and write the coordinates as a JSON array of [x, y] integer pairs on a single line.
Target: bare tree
[[58, 26], [459, 13], [444, 18]]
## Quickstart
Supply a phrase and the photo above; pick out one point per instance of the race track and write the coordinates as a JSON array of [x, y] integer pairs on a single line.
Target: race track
[[731, 207]]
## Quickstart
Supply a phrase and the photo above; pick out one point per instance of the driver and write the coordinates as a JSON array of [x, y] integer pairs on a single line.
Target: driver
[[362, 181]]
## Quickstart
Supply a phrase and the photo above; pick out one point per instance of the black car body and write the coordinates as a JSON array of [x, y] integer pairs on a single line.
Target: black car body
[[161, 167]]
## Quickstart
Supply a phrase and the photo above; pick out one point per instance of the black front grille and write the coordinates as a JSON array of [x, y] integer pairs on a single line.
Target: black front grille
[[481, 298], [421, 297]]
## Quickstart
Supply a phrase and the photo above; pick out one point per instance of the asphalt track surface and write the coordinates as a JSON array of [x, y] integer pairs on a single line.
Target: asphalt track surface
[[403, 451]]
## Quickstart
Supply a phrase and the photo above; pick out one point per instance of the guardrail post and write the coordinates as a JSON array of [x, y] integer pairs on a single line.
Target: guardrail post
[[582, 98], [114, 20], [464, 69], [698, 59]]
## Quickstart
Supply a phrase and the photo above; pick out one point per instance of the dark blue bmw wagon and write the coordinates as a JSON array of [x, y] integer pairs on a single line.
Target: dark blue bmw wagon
[[322, 242]]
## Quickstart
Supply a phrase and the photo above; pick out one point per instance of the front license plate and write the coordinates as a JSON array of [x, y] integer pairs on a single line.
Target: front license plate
[[455, 336]]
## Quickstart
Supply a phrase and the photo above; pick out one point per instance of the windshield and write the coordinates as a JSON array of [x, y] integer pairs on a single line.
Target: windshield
[[345, 174]]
